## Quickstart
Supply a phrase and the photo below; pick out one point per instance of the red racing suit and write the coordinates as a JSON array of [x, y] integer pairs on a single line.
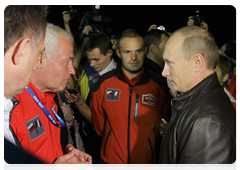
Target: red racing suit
[[128, 117]]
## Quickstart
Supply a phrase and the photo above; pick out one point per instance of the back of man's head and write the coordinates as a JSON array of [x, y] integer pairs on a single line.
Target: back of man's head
[[100, 41], [199, 41], [21, 21], [128, 33], [153, 37], [52, 39]]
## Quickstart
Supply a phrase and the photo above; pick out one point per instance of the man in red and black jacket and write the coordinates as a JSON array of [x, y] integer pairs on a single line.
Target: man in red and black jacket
[[128, 104]]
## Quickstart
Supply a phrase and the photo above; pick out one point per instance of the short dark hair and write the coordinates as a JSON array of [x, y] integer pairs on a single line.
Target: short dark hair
[[130, 33], [24, 21], [153, 37], [100, 41]]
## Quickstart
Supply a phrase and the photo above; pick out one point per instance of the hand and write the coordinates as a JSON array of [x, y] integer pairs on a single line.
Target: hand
[[204, 25], [63, 163], [114, 42], [152, 27], [69, 125], [67, 113], [83, 157], [86, 29], [162, 128], [66, 17], [190, 21], [71, 98]]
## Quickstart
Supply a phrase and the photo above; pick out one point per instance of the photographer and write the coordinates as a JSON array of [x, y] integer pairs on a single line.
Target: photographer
[[203, 24]]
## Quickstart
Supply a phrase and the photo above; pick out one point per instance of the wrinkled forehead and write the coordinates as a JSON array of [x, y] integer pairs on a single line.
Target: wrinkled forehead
[[174, 44]]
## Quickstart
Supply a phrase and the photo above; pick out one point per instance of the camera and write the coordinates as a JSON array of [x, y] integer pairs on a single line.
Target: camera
[[161, 28], [72, 12], [73, 91], [197, 18]]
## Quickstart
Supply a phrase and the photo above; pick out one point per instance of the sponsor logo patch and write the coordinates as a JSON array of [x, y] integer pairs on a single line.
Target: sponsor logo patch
[[113, 94], [35, 128], [148, 99]]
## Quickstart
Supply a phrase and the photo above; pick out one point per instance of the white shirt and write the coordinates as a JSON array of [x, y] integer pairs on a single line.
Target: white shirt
[[229, 95], [8, 105], [112, 65]]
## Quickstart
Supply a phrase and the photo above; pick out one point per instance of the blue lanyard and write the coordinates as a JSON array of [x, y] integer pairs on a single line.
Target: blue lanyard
[[230, 78], [51, 118]]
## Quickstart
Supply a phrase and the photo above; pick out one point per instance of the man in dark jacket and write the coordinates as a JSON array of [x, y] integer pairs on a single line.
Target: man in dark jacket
[[203, 124]]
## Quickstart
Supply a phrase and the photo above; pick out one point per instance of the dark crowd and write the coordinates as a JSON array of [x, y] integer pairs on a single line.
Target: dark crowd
[[91, 96]]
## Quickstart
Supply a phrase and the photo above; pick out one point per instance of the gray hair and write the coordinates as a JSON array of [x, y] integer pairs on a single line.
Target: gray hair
[[199, 41], [52, 39]]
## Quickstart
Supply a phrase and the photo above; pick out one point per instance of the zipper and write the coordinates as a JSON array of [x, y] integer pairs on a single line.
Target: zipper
[[104, 149], [150, 144], [136, 106], [129, 119]]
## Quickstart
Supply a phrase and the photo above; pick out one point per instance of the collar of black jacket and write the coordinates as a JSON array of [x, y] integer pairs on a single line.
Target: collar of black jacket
[[210, 82]]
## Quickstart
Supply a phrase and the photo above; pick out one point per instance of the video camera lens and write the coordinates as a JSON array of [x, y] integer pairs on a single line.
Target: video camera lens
[[197, 19]]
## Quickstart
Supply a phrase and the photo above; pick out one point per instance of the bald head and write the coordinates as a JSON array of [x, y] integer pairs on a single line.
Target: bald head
[[196, 40]]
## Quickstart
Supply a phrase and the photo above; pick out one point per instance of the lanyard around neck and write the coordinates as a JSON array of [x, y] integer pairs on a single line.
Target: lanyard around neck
[[50, 117]]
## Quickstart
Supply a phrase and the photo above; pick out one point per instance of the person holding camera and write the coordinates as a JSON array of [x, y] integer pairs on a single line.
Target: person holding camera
[[202, 23]]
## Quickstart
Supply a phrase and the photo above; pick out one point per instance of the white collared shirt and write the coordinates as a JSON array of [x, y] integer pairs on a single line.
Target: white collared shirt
[[112, 65], [8, 105]]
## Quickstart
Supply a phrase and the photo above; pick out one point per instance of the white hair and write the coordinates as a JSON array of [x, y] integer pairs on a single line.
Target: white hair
[[52, 39]]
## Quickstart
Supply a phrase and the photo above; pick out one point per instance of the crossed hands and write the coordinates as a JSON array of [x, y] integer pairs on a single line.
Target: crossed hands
[[74, 156]]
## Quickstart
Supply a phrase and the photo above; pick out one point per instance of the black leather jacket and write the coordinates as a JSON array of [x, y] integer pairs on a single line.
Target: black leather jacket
[[202, 127]]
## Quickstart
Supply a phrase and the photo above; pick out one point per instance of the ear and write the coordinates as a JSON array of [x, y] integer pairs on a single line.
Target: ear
[[225, 78], [118, 53], [152, 48], [198, 62], [20, 51], [110, 52], [40, 61]]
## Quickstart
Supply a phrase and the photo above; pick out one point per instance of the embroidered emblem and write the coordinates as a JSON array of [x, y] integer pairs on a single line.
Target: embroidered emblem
[[113, 94], [148, 99], [35, 128]]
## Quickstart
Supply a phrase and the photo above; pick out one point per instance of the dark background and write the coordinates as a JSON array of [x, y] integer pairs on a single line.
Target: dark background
[[221, 19]]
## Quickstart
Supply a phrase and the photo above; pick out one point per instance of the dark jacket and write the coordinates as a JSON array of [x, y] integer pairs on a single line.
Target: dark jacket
[[202, 127]]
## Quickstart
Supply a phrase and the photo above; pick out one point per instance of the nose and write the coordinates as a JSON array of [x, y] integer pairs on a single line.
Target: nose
[[71, 69], [165, 71], [133, 56], [91, 63]]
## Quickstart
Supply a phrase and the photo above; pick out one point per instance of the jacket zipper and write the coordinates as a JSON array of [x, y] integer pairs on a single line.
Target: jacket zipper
[[150, 143], [104, 149], [129, 119], [136, 106]]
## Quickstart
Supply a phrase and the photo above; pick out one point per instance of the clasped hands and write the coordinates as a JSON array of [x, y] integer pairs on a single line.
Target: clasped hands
[[74, 156]]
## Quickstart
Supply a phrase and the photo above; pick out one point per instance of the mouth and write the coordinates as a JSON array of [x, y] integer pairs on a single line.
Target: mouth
[[134, 63]]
